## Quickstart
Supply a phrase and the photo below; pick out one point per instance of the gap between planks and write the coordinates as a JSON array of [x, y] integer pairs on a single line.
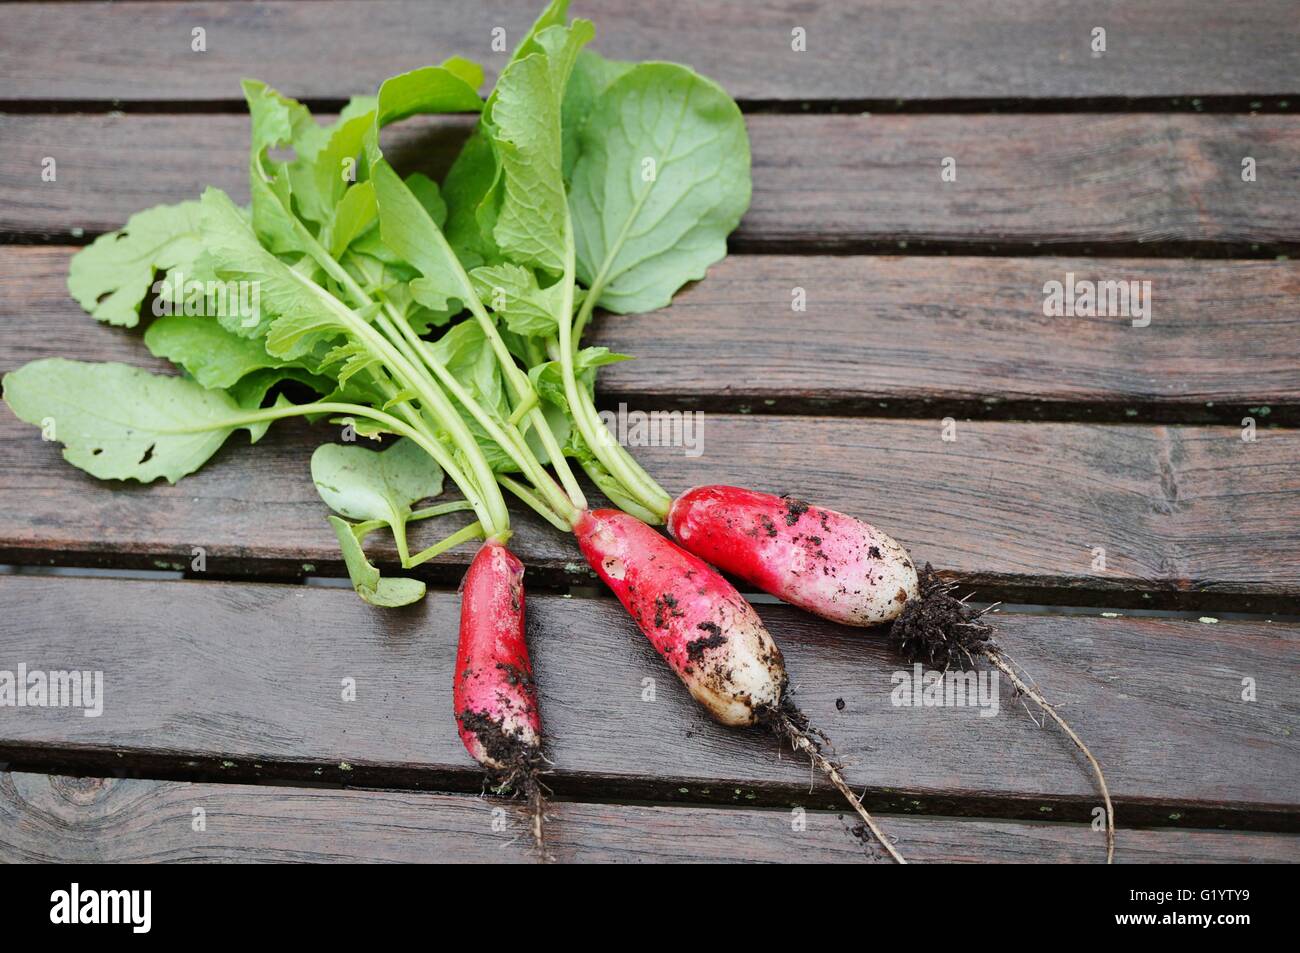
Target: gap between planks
[[247, 688]]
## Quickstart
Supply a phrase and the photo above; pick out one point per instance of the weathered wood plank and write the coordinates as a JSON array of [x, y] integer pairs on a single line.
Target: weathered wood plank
[[1086, 181], [1188, 516], [864, 50], [53, 819], [918, 336], [934, 336], [239, 681]]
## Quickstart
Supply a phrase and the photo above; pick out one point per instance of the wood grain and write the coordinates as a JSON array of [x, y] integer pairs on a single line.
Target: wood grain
[[243, 682], [864, 50], [920, 336], [54, 819], [1086, 182], [1187, 516]]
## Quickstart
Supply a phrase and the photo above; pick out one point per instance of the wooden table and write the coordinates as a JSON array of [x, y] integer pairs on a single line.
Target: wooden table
[[925, 301]]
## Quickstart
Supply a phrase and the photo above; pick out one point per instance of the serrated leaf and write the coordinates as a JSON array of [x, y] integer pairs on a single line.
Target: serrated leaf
[[351, 359], [548, 378], [279, 121], [661, 179], [111, 276], [121, 423], [295, 316], [513, 293]]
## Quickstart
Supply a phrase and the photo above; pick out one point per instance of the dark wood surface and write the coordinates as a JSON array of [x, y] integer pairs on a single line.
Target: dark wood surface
[[243, 682], [883, 50], [1089, 182], [885, 336], [47, 818], [924, 302], [1188, 516]]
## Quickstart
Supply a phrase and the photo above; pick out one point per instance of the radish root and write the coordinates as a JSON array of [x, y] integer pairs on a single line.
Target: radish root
[[525, 778], [790, 724], [944, 631]]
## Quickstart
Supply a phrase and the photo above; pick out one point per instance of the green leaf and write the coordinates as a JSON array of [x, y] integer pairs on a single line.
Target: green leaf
[[356, 213], [278, 121], [210, 354], [512, 292], [366, 580], [555, 14], [524, 118], [111, 276], [548, 378], [121, 423], [365, 484], [592, 74], [661, 178], [406, 227], [427, 193], [468, 182], [450, 88], [336, 165], [295, 315]]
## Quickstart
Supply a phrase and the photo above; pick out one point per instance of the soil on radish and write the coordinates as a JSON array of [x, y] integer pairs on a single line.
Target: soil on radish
[[522, 761], [939, 629]]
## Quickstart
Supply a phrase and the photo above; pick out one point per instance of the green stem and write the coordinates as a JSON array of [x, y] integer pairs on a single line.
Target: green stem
[[441, 509], [509, 440], [519, 382], [620, 464], [536, 505], [426, 443], [472, 531], [434, 401], [431, 398]]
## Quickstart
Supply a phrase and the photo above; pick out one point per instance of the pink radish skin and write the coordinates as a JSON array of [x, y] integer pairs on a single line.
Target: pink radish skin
[[704, 629], [494, 695], [833, 565]]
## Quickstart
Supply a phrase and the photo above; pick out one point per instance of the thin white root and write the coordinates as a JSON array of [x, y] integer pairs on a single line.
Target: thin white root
[[801, 741], [1006, 669]]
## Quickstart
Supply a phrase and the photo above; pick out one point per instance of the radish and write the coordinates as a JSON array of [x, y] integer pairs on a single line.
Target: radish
[[707, 633], [847, 571], [494, 695], [833, 565]]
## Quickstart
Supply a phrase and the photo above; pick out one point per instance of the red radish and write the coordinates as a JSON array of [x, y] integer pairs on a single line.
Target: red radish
[[706, 632], [494, 695], [833, 565], [704, 629]]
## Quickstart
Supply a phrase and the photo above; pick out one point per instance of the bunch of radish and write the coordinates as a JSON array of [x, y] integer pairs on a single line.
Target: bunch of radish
[[451, 318]]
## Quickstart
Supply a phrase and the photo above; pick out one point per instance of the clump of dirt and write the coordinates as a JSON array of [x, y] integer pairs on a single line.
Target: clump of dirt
[[939, 629], [521, 766], [793, 510], [696, 648]]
